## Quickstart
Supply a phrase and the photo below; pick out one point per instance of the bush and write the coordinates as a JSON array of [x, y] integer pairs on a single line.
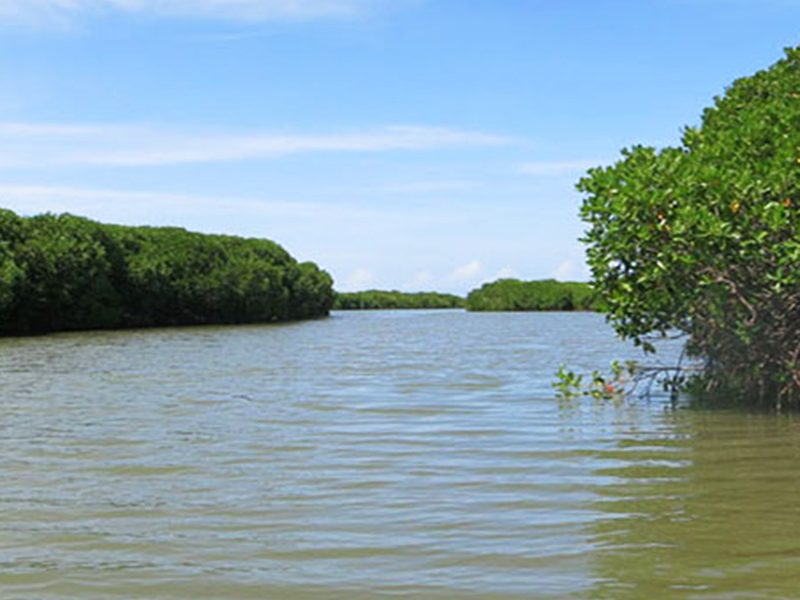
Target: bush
[[703, 239]]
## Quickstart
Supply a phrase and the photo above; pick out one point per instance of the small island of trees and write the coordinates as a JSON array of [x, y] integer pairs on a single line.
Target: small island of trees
[[543, 295], [62, 272]]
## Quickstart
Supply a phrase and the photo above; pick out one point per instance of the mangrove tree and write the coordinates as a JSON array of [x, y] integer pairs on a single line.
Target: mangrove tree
[[702, 239]]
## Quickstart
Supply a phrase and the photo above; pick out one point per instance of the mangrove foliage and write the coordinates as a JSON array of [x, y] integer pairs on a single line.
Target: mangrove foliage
[[380, 299], [516, 295], [62, 272], [702, 239]]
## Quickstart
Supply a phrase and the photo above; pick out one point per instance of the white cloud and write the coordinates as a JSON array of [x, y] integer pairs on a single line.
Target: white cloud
[[138, 207], [41, 145], [570, 270], [421, 280], [467, 272], [505, 273], [359, 279], [64, 12], [553, 168], [57, 130]]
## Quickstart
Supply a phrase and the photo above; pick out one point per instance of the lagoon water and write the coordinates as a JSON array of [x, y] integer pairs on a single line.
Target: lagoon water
[[376, 455]]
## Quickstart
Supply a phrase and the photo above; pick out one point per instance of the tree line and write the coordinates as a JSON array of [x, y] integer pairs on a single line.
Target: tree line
[[500, 295], [381, 299], [62, 272]]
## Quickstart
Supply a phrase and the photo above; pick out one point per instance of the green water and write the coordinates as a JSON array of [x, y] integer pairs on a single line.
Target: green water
[[370, 455]]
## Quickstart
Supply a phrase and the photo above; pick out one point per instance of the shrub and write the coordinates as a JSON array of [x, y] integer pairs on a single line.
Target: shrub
[[703, 239]]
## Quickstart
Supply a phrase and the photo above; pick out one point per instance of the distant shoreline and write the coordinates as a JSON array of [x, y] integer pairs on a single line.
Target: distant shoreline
[[503, 295]]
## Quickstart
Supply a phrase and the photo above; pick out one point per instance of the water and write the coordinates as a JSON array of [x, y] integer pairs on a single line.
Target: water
[[374, 455]]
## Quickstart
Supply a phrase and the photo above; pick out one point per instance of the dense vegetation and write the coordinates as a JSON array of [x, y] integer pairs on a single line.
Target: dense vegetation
[[61, 272], [516, 295], [703, 239], [376, 299]]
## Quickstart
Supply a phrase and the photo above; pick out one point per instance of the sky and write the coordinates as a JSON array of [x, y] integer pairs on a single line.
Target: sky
[[399, 144]]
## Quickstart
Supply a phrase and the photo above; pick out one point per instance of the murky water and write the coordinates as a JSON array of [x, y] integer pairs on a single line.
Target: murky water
[[370, 455]]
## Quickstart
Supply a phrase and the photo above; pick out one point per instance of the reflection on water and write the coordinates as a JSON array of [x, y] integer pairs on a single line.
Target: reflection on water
[[372, 454], [709, 508]]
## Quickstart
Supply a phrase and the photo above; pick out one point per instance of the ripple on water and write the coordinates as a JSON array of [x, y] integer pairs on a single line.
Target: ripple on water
[[368, 455]]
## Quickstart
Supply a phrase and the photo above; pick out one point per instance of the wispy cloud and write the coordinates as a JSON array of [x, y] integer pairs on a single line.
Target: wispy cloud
[[115, 204], [37, 144], [359, 279], [421, 280], [417, 187], [63, 12], [551, 168], [466, 273], [571, 270], [505, 273]]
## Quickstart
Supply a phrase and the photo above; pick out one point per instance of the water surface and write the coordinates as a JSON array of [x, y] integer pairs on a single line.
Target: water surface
[[379, 454]]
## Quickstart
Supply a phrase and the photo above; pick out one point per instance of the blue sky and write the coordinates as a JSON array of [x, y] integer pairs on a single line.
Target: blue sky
[[409, 144]]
